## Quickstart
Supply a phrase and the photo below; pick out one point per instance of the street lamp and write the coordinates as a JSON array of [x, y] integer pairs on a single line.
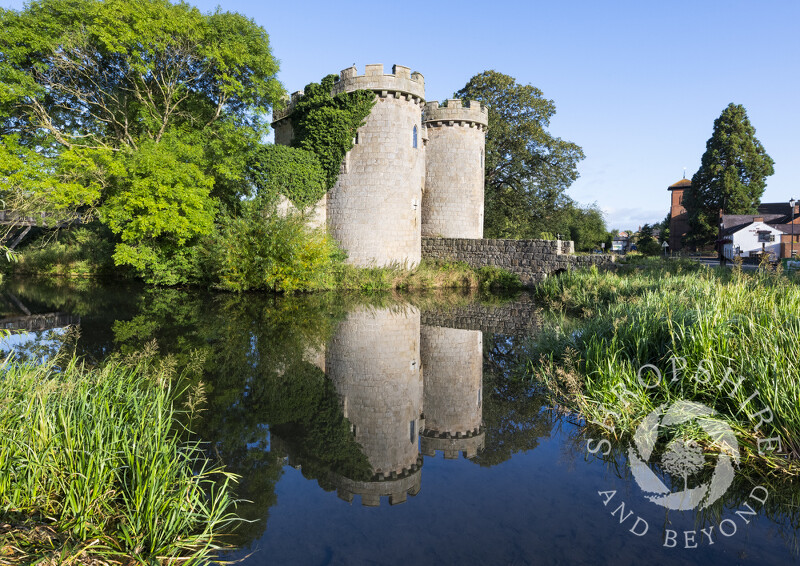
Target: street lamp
[[791, 205]]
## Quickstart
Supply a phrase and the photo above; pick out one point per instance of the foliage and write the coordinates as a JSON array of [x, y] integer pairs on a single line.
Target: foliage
[[732, 175], [262, 249], [292, 172], [160, 204], [527, 169], [326, 124], [715, 321], [161, 102], [495, 278], [587, 228], [80, 251], [95, 456]]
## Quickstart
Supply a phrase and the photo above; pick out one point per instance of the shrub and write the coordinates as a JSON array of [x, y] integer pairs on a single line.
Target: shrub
[[264, 250]]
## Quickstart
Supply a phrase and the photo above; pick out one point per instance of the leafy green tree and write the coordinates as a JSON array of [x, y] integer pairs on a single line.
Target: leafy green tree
[[732, 175], [587, 228], [646, 243], [100, 82], [527, 168]]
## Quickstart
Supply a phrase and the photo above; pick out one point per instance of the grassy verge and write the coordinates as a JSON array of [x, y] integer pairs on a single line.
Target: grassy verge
[[429, 274], [723, 338], [94, 470]]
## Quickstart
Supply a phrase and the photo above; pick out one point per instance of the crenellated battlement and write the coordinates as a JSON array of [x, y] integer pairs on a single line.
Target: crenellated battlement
[[456, 111], [396, 489], [401, 83], [451, 446], [287, 106]]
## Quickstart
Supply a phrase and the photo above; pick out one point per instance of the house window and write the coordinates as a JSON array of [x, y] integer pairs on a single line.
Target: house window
[[355, 139], [764, 236], [415, 137]]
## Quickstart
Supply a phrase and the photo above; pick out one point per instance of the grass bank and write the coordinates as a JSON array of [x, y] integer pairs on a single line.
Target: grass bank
[[293, 259], [658, 332], [95, 469]]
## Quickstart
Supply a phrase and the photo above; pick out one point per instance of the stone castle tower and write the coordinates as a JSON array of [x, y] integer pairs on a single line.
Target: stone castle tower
[[408, 175]]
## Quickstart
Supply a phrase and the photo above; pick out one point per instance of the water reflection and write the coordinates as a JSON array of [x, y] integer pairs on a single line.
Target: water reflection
[[381, 398]]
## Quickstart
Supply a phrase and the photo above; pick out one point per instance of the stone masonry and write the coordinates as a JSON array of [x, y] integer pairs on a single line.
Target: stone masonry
[[532, 260], [452, 204], [376, 209]]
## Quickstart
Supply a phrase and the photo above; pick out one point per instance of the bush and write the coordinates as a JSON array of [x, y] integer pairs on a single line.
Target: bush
[[81, 251], [264, 250]]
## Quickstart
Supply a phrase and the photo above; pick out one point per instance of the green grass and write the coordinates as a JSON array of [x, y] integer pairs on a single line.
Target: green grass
[[723, 323], [94, 466], [428, 274]]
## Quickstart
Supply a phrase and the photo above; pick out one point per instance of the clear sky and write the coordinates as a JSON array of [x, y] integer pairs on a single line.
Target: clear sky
[[637, 84]]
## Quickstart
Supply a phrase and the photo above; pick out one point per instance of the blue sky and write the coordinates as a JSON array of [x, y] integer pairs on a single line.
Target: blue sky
[[637, 84]]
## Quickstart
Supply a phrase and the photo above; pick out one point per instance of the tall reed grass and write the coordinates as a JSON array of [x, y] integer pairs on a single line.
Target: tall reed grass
[[705, 330], [93, 466]]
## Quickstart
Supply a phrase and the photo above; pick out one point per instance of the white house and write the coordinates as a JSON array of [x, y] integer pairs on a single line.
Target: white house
[[750, 239]]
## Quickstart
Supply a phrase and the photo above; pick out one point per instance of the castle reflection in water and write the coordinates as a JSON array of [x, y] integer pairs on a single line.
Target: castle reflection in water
[[407, 389]]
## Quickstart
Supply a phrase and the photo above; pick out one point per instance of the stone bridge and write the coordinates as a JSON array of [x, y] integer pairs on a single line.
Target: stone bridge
[[532, 260], [38, 322]]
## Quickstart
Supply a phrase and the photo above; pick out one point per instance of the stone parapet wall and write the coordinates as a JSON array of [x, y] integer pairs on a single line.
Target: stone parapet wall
[[532, 260], [402, 82], [456, 110]]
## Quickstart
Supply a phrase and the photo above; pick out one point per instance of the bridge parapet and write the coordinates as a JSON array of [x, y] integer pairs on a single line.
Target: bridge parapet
[[532, 260]]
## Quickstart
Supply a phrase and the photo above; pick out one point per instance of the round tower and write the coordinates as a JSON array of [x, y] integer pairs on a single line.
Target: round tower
[[452, 362], [452, 204], [373, 362], [374, 210]]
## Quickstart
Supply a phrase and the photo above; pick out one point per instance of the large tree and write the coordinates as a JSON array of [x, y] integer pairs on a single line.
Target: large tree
[[163, 101], [527, 169], [732, 175]]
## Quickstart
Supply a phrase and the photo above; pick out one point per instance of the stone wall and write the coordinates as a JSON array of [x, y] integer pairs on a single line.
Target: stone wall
[[452, 203], [532, 260]]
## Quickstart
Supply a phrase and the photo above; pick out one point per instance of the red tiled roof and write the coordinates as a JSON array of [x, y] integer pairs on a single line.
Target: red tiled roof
[[680, 184]]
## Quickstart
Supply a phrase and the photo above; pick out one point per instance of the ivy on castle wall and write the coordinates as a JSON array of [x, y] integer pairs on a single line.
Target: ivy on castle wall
[[326, 124], [292, 172], [324, 127]]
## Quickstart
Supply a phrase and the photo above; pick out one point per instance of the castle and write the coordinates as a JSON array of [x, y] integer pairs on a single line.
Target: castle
[[416, 169]]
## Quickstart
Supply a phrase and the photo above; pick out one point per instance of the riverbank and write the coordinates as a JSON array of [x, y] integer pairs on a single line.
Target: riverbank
[[86, 253], [663, 331], [96, 468]]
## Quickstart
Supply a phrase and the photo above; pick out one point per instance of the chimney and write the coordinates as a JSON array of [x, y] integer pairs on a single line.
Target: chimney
[[758, 219]]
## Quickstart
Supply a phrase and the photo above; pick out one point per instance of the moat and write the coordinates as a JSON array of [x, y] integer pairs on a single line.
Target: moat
[[393, 429]]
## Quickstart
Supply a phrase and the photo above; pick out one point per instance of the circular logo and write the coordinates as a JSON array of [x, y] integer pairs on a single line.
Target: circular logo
[[683, 457]]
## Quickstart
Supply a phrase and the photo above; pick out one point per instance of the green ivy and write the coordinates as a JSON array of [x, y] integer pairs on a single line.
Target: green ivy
[[293, 172], [326, 124]]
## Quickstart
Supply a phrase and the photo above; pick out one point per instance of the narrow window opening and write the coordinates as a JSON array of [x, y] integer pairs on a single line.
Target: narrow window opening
[[412, 431], [415, 137]]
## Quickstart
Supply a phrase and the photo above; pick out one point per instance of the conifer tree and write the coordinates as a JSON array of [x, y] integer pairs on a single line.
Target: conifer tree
[[732, 175]]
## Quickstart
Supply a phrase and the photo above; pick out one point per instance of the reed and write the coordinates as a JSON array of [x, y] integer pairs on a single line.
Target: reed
[[94, 466], [719, 327]]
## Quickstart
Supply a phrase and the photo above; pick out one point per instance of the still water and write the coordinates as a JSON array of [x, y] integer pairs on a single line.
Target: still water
[[394, 430]]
